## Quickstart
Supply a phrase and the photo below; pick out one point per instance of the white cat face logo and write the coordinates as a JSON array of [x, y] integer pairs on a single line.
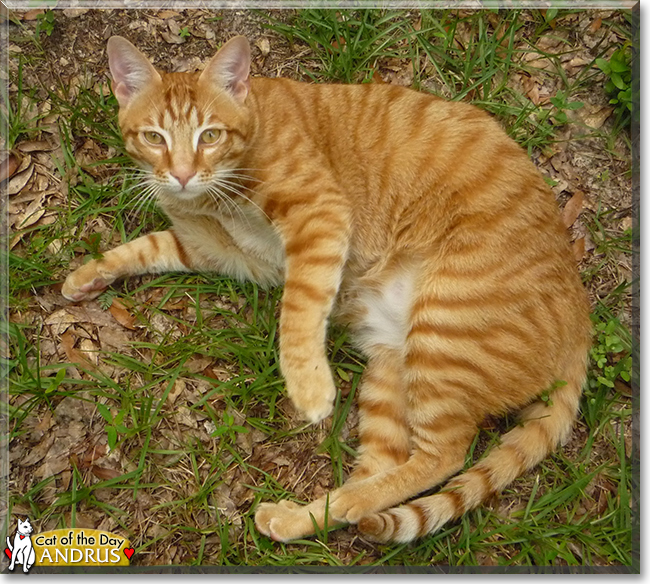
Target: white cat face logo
[[21, 551]]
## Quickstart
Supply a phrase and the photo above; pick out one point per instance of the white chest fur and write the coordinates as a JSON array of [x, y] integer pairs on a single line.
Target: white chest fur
[[253, 232]]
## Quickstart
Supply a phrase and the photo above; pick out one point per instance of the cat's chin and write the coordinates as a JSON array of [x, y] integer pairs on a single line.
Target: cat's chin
[[185, 194]]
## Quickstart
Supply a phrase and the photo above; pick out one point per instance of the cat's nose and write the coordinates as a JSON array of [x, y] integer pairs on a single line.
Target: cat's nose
[[183, 175]]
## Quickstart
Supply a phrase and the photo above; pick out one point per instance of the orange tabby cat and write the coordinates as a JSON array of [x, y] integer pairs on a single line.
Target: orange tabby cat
[[427, 226]]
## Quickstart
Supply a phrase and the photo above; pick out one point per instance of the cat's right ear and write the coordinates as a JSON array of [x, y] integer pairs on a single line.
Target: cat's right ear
[[130, 69]]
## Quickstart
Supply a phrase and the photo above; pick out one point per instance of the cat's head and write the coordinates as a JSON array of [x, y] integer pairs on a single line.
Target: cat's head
[[25, 527], [187, 130]]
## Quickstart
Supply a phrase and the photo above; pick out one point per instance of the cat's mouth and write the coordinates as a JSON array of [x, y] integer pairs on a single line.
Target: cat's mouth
[[184, 192]]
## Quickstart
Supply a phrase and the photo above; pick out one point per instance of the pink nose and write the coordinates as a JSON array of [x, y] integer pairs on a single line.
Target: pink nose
[[183, 176]]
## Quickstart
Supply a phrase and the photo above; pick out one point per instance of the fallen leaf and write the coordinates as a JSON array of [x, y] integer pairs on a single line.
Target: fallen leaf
[[45, 422], [74, 314], [165, 14], [93, 453], [115, 337], [185, 416], [38, 452], [9, 166], [579, 248], [197, 363], [264, 46], [18, 182], [595, 25], [66, 478], [340, 44], [573, 208], [122, 315], [597, 118], [74, 12], [33, 13], [172, 39], [74, 355], [105, 473], [32, 214], [179, 387]]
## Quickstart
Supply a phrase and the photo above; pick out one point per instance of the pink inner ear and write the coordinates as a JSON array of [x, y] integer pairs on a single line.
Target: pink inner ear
[[230, 68], [121, 91], [130, 69], [240, 89]]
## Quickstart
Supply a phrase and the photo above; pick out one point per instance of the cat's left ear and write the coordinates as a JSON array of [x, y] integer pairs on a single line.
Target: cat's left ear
[[230, 68]]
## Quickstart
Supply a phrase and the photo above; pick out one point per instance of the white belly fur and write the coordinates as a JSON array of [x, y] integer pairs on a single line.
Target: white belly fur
[[387, 313]]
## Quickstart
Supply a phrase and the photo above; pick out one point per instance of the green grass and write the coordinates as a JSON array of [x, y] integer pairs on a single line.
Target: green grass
[[574, 509]]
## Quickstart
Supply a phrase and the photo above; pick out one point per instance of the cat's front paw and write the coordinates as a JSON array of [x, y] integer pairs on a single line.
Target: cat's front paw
[[312, 391], [86, 282], [282, 521]]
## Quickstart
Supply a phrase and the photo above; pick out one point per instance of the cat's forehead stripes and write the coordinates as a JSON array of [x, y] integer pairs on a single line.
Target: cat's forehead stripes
[[180, 100]]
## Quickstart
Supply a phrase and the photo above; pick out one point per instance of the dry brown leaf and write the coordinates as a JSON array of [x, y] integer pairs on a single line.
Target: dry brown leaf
[[74, 355], [186, 417], [105, 473], [32, 214], [122, 315], [45, 423], [74, 12], [197, 363], [172, 39], [38, 452], [51, 467], [579, 248], [18, 182], [179, 387], [94, 453], [33, 13], [598, 117], [9, 166], [533, 93], [264, 46], [115, 337], [595, 25], [66, 478], [340, 44], [74, 314], [573, 208], [165, 14]]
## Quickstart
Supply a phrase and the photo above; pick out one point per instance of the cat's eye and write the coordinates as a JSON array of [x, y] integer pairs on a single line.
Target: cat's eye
[[154, 138], [209, 136]]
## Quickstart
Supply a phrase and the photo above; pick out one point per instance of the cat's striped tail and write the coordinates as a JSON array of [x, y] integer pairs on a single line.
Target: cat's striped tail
[[542, 428]]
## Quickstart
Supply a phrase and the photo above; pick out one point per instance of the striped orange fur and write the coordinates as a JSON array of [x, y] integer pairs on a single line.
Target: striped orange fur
[[416, 220]]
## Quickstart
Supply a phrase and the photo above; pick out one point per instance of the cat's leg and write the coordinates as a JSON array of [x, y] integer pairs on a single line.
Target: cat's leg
[[384, 431], [31, 559], [385, 443], [316, 238], [442, 430], [157, 252], [12, 565]]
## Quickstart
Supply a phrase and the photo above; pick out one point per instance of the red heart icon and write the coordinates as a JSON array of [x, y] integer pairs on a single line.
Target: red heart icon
[[8, 552], [128, 552]]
